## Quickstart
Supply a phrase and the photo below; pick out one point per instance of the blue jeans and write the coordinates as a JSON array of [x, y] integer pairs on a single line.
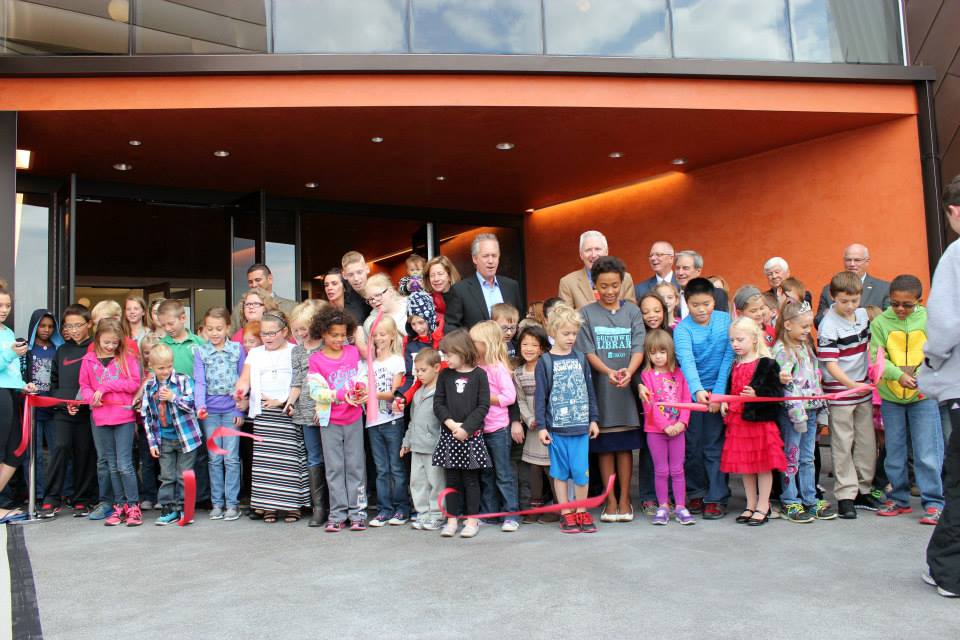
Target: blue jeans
[[385, 442], [224, 471], [500, 478], [104, 484], [702, 463], [922, 418], [311, 439], [799, 485], [115, 447]]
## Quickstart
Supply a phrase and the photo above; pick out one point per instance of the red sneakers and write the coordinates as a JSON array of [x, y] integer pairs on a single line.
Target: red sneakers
[[134, 516], [586, 522], [931, 516], [891, 508], [570, 523], [117, 517]]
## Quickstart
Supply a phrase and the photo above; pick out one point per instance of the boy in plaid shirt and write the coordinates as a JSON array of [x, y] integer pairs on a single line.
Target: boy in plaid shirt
[[172, 430]]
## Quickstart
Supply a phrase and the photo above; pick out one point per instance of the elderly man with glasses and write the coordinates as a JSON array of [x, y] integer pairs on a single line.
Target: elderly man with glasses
[[661, 263], [876, 292]]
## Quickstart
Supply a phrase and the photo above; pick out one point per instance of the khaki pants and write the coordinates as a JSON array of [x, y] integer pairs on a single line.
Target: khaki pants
[[853, 446]]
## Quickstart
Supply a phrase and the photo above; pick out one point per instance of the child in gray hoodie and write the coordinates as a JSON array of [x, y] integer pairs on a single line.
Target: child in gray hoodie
[[420, 440]]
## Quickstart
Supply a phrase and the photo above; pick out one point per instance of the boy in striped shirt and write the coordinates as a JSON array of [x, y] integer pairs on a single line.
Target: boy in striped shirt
[[844, 337]]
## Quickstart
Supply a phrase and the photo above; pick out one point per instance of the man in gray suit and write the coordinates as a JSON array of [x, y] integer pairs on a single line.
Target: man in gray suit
[[876, 292]]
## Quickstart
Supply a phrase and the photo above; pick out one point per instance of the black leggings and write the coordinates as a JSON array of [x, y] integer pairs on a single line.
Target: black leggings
[[467, 484], [943, 551], [10, 430]]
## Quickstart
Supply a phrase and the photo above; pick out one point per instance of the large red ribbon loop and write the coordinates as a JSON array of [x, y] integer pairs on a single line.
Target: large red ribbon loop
[[189, 497], [586, 503], [221, 432], [37, 402]]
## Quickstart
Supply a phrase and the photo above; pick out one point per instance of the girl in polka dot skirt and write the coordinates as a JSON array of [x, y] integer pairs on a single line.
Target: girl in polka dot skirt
[[461, 402]]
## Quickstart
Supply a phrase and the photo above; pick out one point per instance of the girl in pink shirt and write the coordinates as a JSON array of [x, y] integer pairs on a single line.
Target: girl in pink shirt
[[664, 382], [109, 379], [499, 483]]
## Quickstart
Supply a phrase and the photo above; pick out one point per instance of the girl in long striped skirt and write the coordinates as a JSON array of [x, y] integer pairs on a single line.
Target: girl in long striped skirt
[[280, 482]]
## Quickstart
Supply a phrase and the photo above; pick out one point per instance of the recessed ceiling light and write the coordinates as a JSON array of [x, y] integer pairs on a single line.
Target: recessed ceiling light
[[376, 139], [123, 166], [220, 153], [24, 158], [679, 161], [505, 146], [135, 143], [311, 185], [441, 178], [616, 154]]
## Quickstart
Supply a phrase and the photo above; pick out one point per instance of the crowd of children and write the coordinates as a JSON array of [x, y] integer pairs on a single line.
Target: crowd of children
[[508, 413]]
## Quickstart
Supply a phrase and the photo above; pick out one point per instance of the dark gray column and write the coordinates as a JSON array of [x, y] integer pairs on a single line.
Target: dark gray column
[[8, 195]]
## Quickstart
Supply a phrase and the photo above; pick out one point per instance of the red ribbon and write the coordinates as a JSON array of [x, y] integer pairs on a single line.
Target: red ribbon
[[221, 432], [32, 401], [189, 496], [720, 397], [586, 503]]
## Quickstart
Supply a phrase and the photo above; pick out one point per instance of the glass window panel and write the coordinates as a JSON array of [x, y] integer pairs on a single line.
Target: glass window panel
[[734, 29], [237, 28], [632, 28], [31, 28], [340, 26], [281, 252], [477, 26], [854, 31], [31, 259]]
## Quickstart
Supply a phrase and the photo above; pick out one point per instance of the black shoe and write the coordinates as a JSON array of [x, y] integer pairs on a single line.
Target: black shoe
[[846, 510], [867, 501]]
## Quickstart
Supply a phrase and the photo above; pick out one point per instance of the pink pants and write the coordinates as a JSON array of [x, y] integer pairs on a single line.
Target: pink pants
[[667, 453]]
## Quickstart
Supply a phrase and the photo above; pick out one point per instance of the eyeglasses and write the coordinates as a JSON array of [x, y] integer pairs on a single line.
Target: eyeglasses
[[75, 326], [508, 328], [377, 296], [252, 305], [855, 260], [660, 255], [903, 305], [268, 334]]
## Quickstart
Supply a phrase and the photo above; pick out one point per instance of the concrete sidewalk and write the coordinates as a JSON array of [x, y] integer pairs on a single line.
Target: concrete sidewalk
[[836, 579]]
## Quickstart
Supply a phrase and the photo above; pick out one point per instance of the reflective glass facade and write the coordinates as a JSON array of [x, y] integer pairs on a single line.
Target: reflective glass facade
[[842, 31]]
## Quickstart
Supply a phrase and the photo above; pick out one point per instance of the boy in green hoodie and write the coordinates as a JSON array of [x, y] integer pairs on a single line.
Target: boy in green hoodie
[[902, 331]]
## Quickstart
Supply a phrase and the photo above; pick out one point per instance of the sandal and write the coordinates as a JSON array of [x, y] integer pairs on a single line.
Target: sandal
[[291, 516], [269, 517], [756, 522], [745, 517]]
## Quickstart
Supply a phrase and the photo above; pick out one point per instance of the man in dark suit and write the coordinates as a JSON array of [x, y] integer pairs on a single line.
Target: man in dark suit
[[876, 292], [689, 265], [661, 261], [472, 298]]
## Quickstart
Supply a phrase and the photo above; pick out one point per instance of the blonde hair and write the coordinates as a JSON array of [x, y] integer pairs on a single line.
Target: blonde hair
[[350, 257], [379, 281], [447, 266], [143, 307], [748, 325], [160, 354], [106, 309], [396, 345], [148, 343], [505, 311], [490, 335], [561, 314], [659, 340], [305, 311]]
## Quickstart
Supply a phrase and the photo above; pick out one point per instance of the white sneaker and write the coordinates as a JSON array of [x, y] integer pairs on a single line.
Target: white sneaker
[[469, 531], [509, 526], [397, 520], [417, 524], [450, 529], [943, 592], [432, 525]]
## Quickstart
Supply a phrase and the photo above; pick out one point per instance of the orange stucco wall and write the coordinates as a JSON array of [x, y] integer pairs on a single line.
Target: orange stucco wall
[[804, 202]]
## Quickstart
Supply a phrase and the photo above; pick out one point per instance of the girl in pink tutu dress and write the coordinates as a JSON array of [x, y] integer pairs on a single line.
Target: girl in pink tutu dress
[[752, 446]]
